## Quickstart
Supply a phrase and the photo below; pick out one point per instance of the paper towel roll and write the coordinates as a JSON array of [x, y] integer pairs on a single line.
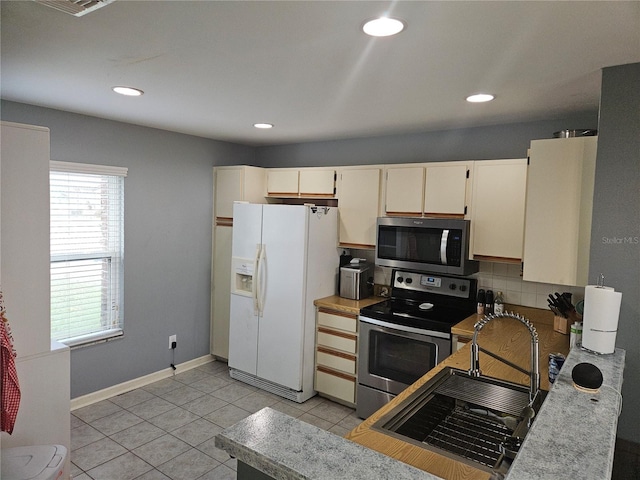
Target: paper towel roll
[[600, 320]]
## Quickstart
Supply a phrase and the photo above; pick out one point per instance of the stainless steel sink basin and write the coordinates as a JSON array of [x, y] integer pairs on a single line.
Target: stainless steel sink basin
[[480, 421]]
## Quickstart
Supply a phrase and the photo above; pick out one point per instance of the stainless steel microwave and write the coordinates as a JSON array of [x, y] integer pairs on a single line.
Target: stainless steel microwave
[[439, 245]]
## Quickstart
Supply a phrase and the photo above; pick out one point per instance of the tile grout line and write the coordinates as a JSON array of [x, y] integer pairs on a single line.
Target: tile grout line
[[237, 392]]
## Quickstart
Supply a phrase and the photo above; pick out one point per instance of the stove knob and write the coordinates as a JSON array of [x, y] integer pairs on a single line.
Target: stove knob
[[400, 279], [452, 286], [408, 280]]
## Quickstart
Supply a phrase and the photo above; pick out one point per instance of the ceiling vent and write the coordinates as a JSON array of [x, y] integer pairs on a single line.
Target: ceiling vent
[[77, 8]]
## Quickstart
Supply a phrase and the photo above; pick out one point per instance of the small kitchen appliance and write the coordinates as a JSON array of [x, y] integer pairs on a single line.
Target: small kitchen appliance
[[436, 245], [356, 281], [407, 335]]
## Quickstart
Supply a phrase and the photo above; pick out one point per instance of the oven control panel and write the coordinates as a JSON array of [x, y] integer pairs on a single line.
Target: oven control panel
[[439, 284]]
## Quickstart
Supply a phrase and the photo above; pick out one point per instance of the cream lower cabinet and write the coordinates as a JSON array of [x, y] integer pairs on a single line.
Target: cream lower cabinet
[[497, 210], [560, 187], [336, 355], [221, 291], [358, 206]]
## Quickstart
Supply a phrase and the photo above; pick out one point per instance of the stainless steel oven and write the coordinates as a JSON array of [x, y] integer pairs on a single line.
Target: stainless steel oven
[[392, 357], [401, 339]]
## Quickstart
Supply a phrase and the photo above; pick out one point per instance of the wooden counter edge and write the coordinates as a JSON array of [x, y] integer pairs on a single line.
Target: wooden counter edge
[[339, 304]]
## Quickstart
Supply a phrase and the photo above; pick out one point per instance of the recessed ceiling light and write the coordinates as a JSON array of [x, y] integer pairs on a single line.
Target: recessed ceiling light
[[263, 125], [480, 97], [383, 27], [128, 91]]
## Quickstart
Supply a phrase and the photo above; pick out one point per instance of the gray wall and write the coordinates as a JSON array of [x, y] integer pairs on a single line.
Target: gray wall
[[478, 143], [168, 212], [615, 234]]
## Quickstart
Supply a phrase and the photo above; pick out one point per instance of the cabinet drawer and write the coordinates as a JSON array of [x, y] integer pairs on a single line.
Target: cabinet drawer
[[343, 362], [340, 341], [341, 321], [330, 383]]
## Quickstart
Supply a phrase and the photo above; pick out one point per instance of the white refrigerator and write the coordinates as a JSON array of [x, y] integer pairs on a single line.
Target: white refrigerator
[[283, 258]]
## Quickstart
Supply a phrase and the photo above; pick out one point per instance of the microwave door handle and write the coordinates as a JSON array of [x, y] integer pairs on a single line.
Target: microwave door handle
[[443, 246]]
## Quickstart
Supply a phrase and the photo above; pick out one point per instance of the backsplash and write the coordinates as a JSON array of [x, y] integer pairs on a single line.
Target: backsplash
[[499, 277], [507, 279]]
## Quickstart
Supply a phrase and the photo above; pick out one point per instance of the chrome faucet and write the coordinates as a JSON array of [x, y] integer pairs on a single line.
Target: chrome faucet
[[534, 373]]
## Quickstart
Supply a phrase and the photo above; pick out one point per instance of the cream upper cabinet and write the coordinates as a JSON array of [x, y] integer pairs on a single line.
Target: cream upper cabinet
[[559, 204], [445, 188], [497, 209], [358, 206], [237, 183], [301, 182], [317, 182], [439, 188], [404, 190], [282, 181]]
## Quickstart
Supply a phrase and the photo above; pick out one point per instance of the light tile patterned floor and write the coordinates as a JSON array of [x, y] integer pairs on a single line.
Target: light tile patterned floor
[[166, 430]]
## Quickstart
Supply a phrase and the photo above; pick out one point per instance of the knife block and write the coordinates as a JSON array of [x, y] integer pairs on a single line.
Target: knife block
[[561, 325]]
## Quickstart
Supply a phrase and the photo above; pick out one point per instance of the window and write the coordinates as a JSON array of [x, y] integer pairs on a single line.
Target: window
[[87, 220]]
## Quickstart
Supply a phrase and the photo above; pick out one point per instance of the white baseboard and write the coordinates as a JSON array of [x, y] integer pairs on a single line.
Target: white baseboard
[[124, 387]]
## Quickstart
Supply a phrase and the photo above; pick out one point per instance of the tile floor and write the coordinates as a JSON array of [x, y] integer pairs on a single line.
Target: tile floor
[[166, 430]]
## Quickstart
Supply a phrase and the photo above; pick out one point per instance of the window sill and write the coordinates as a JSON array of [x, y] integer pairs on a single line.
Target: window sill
[[93, 338]]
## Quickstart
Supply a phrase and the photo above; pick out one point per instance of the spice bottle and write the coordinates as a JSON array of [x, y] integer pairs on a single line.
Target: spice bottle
[[488, 302], [480, 309], [498, 303]]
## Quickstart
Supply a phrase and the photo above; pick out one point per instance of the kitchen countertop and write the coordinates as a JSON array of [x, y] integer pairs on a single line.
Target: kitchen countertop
[[285, 448], [510, 339], [575, 433], [335, 302], [561, 443], [503, 336]]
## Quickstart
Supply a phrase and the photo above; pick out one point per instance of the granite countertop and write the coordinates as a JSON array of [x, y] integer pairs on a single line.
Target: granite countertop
[[575, 432], [288, 449]]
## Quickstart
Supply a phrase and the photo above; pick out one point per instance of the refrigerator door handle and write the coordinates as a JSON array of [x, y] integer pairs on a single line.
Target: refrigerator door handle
[[254, 283], [262, 265]]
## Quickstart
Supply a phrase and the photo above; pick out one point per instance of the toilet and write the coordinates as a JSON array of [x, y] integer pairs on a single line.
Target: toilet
[[40, 462]]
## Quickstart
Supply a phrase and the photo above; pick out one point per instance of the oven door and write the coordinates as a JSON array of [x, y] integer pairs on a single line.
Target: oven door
[[392, 357]]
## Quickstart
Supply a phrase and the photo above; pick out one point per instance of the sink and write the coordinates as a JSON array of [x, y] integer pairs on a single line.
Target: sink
[[480, 421]]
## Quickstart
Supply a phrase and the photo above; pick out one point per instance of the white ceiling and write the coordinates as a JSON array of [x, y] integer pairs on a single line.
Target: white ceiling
[[213, 68]]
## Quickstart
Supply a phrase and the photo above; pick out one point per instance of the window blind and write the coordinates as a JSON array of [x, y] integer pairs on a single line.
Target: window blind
[[87, 220]]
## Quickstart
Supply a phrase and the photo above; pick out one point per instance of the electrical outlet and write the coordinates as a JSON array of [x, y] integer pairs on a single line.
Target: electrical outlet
[[172, 339]]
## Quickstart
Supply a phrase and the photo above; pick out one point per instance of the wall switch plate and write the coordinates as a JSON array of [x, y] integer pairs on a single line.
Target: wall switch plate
[[172, 339]]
